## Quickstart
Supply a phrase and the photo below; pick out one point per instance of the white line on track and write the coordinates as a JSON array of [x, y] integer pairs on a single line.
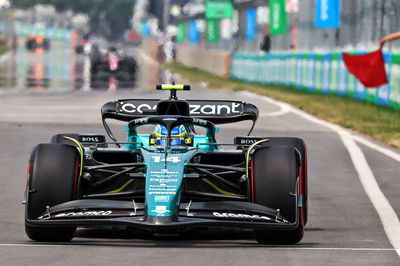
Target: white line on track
[[386, 213], [256, 245], [388, 216], [284, 108], [385, 151], [32, 245]]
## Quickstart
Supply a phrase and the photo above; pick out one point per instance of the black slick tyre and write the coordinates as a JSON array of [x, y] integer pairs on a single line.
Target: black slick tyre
[[274, 173], [300, 146], [52, 180]]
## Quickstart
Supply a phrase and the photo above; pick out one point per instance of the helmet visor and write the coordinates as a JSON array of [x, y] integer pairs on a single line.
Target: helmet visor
[[175, 141]]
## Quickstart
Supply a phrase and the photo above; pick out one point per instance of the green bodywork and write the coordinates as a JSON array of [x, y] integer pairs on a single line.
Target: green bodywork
[[165, 169]]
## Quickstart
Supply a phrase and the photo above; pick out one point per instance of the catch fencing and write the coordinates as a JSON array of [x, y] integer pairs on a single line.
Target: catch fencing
[[317, 72]]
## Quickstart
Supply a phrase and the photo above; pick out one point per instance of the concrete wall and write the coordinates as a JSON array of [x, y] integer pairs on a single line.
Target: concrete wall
[[216, 62], [150, 47]]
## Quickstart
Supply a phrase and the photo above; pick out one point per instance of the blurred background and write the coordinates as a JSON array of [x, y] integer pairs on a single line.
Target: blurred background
[[102, 44]]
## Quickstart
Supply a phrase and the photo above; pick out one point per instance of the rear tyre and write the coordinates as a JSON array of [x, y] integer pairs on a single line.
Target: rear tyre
[[79, 49], [31, 45], [275, 181], [103, 67], [101, 76], [123, 76], [52, 180], [46, 44]]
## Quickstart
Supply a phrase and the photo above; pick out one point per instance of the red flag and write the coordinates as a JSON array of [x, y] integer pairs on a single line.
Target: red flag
[[369, 68]]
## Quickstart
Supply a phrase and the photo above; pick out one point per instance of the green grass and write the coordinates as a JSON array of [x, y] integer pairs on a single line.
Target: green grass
[[379, 122], [3, 48]]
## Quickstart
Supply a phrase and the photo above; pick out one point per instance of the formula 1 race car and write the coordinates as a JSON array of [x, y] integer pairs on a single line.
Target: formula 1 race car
[[172, 179], [112, 65], [37, 42]]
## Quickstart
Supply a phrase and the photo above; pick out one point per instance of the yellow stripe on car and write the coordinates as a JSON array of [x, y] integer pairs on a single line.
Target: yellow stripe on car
[[219, 189], [122, 187], [248, 159], [80, 152]]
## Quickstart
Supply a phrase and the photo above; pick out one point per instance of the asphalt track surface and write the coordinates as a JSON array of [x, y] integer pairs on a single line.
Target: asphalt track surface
[[345, 227]]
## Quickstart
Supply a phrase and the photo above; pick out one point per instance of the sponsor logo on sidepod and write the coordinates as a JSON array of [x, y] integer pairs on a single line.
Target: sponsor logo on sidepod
[[240, 215]]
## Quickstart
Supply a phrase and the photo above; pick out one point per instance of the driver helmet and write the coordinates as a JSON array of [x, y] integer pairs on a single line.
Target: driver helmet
[[179, 136]]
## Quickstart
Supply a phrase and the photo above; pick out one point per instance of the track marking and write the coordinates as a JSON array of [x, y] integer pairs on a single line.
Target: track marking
[[343, 249], [386, 213], [284, 107], [276, 113], [255, 245], [385, 151], [389, 219], [32, 245]]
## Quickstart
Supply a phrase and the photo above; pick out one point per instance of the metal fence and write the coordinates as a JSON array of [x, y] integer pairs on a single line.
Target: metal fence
[[317, 72], [363, 23]]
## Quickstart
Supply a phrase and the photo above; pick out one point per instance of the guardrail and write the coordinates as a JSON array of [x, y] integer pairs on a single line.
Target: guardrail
[[319, 73]]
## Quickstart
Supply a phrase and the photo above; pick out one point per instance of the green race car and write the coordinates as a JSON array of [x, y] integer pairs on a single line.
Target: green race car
[[173, 178]]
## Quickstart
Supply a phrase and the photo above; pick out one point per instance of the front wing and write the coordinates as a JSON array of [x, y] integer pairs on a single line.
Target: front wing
[[218, 214]]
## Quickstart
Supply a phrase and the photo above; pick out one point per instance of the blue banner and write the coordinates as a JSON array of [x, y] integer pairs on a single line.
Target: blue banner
[[194, 33], [145, 29], [250, 24], [327, 14]]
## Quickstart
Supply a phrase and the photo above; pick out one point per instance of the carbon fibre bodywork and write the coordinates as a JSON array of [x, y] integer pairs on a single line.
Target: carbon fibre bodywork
[[190, 216], [154, 188]]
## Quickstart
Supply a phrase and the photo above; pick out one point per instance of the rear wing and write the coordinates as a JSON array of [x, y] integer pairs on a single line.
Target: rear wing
[[215, 111]]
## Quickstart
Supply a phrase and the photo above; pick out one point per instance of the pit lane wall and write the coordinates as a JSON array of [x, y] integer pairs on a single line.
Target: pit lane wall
[[213, 61], [150, 47], [318, 73]]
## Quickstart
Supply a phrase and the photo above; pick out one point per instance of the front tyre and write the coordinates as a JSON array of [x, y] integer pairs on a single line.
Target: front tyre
[[274, 174], [279, 237], [52, 180]]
